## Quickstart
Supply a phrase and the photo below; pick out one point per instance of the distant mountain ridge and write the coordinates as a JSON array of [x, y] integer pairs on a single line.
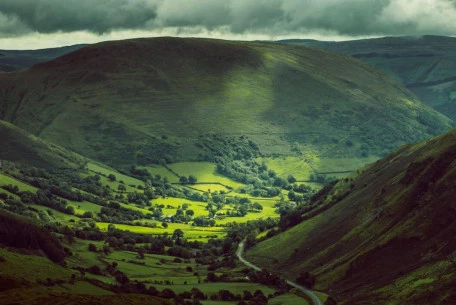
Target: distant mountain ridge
[[425, 64], [13, 60]]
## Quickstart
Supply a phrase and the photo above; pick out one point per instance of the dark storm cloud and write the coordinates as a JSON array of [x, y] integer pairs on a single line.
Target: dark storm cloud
[[99, 16], [274, 17]]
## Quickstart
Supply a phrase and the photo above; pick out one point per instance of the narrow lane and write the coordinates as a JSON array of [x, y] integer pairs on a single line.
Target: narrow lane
[[310, 293]]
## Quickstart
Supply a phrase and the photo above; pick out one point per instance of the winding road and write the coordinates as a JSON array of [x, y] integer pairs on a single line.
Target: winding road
[[310, 293]]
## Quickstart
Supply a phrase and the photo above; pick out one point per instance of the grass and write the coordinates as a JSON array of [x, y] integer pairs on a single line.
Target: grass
[[453, 95], [343, 164], [153, 268], [98, 168], [204, 172], [58, 216], [211, 187], [287, 299], [190, 232], [25, 148], [6, 180], [135, 208], [30, 267], [285, 166], [198, 207], [82, 287], [267, 212], [84, 206], [162, 171]]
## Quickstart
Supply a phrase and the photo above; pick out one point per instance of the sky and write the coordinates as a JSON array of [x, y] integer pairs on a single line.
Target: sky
[[35, 24]]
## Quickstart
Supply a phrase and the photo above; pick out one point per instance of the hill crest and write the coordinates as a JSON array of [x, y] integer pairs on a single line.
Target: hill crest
[[159, 96]]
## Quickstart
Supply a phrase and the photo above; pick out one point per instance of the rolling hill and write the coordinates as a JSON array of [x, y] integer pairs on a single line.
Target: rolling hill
[[384, 235], [161, 99], [20, 146], [13, 60], [424, 64]]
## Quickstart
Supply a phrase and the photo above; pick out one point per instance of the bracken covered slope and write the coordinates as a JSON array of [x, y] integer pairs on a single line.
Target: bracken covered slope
[[385, 235]]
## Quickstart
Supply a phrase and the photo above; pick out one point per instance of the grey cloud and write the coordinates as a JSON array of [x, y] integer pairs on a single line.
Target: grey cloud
[[206, 13], [99, 16], [270, 17], [11, 25]]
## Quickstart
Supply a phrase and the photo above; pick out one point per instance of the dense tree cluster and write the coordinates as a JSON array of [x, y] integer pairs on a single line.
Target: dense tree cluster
[[20, 232]]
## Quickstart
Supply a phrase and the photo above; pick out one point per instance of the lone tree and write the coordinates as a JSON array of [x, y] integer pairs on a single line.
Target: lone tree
[[121, 188], [112, 177], [183, 180], [92, 248], [177, 234], [192, 179], [141, 252]]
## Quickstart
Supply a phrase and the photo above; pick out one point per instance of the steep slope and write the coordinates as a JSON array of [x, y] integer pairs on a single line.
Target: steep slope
[[20, 146], [426, 65], [124, 102], [383, 235], [13, 60]]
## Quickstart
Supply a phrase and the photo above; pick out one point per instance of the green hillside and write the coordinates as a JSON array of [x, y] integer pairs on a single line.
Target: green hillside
[[384, 235], [20, 146], [426, 64], [159, 100]]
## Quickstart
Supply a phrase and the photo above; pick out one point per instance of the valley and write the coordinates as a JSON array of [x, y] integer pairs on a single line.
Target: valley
[[148, 227], [201, 171]]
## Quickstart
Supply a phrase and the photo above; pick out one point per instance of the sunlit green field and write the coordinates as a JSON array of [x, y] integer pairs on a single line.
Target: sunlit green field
[[162, 171], [84, 206], [285, 166], [198, 207], [131, 206], [204, 172], [190, 232], [210, 187]]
